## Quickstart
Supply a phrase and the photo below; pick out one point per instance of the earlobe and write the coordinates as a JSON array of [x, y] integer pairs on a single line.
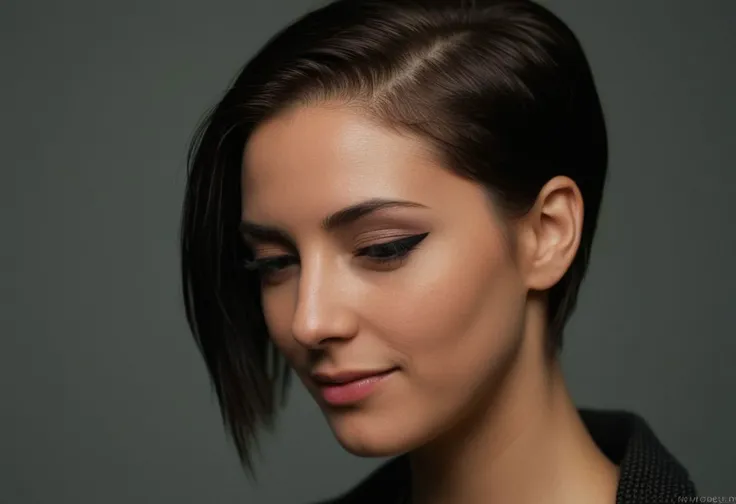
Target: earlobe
[[553, 231]]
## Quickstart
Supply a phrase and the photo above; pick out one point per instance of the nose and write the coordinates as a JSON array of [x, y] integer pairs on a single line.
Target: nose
[[323, 310]]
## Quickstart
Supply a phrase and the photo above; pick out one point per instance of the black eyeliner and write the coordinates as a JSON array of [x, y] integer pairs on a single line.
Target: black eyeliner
[[398, 249], [400, 246]]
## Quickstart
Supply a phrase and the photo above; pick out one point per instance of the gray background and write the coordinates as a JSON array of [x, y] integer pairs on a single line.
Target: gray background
[[104, 397]]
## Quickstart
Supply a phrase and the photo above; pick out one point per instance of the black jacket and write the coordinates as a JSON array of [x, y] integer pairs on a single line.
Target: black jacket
[[649, 473]]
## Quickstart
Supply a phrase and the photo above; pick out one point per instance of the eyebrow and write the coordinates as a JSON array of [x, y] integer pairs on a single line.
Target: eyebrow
[[254, 232]]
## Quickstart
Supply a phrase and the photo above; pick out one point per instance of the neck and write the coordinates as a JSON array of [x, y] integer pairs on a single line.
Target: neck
[[527, 444]]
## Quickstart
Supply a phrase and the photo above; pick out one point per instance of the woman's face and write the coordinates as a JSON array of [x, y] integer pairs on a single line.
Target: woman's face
[[446, 318]]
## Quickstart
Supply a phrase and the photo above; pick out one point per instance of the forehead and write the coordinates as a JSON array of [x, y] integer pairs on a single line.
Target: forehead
[[329, 157]]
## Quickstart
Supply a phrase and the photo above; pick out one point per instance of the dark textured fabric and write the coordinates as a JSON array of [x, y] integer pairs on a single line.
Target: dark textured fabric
[[649, 473]]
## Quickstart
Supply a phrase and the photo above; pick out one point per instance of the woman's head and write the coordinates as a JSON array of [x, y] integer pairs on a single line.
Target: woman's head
[[485, 119]]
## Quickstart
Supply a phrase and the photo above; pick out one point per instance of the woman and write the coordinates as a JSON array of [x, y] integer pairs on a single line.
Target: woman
[[397, 200]]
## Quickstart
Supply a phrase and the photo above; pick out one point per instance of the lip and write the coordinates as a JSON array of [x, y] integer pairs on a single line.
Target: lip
[[338, 377], [349, 387]]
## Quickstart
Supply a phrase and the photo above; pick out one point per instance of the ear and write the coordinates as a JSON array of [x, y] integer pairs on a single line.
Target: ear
[[550, 233]]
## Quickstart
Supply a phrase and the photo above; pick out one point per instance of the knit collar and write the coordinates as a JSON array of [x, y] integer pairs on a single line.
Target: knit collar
[[648, 471]]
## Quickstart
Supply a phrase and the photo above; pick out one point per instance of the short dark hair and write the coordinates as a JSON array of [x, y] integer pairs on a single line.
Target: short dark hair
[[501, 89]]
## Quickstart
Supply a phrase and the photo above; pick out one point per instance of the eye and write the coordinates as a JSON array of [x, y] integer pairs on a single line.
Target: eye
[[268, 266], [382, 253], [392, 251]]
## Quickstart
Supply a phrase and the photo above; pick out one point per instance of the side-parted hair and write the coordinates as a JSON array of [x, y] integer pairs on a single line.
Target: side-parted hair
[[502, 92]]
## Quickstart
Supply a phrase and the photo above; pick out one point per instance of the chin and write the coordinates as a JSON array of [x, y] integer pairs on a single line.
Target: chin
[[366, 436], [367, 446]]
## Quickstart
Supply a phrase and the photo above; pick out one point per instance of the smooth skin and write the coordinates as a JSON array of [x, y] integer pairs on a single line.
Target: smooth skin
[[486, 416]]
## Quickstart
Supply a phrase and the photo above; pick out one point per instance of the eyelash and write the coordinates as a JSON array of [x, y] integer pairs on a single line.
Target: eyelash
[[396, 251]]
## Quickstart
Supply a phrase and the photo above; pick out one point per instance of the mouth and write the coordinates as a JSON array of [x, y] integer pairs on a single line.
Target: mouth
[[351, 387]]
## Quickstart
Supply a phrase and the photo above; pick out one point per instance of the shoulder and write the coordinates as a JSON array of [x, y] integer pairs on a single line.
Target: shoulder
[[384, 485]]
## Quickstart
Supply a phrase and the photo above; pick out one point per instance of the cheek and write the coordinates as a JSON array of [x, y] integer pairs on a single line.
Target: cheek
[[278, 310], [458, 324]]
